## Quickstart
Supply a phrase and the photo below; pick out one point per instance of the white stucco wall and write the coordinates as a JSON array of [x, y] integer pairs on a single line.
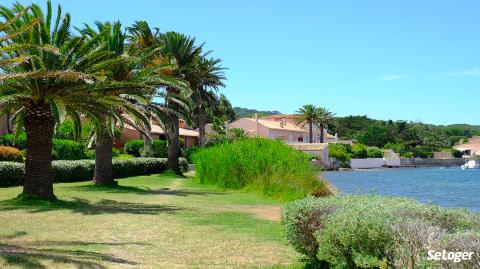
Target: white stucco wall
[[366, 163]]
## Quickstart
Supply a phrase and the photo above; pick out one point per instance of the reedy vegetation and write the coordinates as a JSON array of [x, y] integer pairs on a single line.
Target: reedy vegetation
[[260, 165]]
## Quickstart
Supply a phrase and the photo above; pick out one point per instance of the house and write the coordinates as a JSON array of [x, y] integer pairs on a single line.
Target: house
[[470, 148], [129, 133], [280, 127]]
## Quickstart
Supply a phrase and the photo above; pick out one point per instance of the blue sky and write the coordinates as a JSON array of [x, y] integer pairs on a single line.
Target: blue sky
[[412, 60]]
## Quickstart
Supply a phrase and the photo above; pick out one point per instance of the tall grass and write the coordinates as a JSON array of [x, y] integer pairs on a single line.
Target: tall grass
[[260, 165]]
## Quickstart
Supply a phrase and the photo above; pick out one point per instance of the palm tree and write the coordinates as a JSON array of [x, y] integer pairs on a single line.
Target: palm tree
[[183, 50], [172, 58], [308, 115], [55, 75], [112, 38], [209, 74], [325, 119]]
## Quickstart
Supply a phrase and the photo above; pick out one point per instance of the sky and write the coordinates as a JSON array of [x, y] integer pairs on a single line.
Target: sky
[[401, 60]]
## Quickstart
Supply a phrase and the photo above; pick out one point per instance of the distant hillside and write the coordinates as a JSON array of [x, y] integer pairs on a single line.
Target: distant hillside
[[241, 112], [457, 126]]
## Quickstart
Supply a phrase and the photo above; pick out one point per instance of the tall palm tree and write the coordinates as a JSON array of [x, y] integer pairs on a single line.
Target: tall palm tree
[[208, 75], [308, 115], [184, 51], [169, 57], [325, 119], [57, 75], [112, 39]]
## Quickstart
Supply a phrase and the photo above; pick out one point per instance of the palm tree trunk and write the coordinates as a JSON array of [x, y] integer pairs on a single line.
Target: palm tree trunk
[[174, 147], [173, 136], [322, 134], [310, 135], [201, 127], [39, 126], [147, 144], [103, 174]]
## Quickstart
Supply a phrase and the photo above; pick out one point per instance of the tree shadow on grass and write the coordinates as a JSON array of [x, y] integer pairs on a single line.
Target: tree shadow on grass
[[85, 207], [83, 243], [28, 257], [144, 191]]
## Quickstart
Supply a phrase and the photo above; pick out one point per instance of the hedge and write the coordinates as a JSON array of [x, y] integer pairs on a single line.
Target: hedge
[[369, 231], [11, 173], [63, 149]]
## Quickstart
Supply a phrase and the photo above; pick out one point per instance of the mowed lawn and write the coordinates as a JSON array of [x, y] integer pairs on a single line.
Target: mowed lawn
[[155, 221]]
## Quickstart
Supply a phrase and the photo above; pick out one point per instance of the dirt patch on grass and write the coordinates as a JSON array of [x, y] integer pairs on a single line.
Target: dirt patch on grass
[[267, 212]]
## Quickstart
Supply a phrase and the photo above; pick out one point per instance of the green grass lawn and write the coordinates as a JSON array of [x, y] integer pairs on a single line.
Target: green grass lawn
[[146, 222]]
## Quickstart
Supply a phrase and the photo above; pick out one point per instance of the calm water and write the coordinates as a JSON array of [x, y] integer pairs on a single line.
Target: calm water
[[446, 187]]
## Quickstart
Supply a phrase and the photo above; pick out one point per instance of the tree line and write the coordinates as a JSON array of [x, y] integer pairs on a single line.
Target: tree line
[[407, 138], [106, 74]]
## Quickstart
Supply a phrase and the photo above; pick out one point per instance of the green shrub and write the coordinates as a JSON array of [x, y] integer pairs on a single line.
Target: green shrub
[[133, 147], [341, 152], [67, 149], [10, 154], [359, 151], [115, 152], [422, 152], [190, 152], [374, 152], [11, 174], [66, 130], [259, 165], [18, 141], [159, 148], [367, 231], [89, 154]]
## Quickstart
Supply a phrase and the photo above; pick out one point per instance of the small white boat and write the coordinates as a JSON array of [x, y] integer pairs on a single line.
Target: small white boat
[[472, 164]]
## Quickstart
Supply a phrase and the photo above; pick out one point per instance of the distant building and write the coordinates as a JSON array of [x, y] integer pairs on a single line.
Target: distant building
[[129, 133], [471, 148], [280, 127], [390, 153]]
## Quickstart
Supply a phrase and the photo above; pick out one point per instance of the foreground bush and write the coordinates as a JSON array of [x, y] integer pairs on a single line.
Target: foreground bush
[[378, 232], [10, 154], [259, 165], [11, 174]]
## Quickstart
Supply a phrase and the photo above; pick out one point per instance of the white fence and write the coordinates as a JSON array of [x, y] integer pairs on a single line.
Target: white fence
[[366, 163], [397, 162]]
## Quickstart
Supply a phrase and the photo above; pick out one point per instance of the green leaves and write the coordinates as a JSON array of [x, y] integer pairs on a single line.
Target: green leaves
[[58, 109]]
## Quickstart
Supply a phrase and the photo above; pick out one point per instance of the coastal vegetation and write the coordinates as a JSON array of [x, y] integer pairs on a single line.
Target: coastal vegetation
[[353, 231], [241, 112], [260, 165], [345, 152], [407, 138]]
